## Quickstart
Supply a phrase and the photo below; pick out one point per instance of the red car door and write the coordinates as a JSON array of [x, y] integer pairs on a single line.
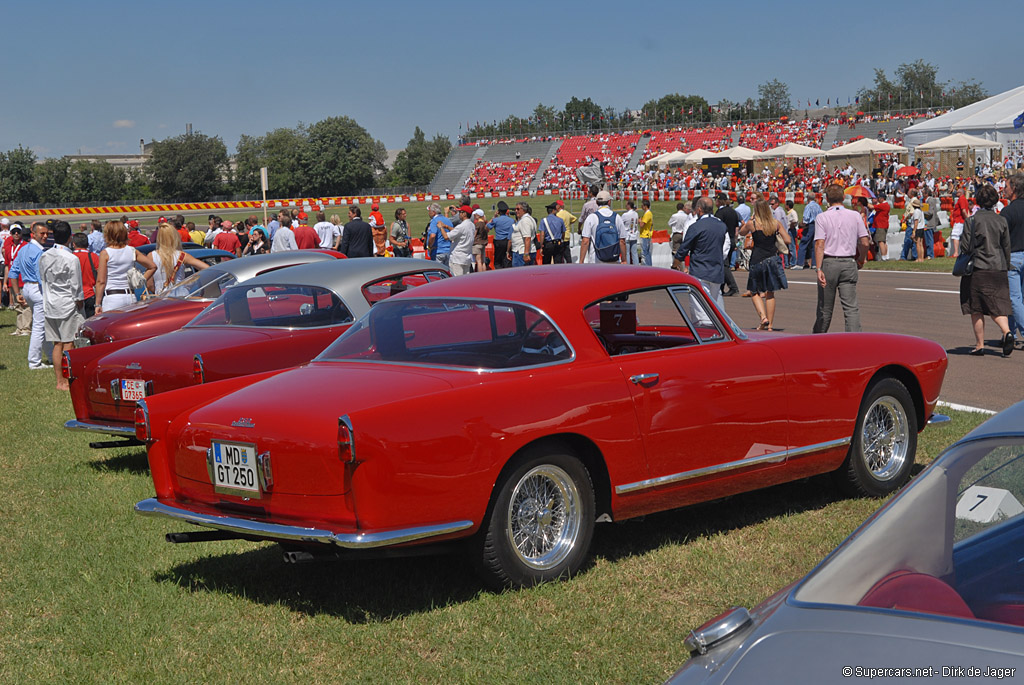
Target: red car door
[[708, 406]]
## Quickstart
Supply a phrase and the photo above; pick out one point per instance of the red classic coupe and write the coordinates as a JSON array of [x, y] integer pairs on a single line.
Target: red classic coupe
[[175, 308], [516, 408], [274, 321]]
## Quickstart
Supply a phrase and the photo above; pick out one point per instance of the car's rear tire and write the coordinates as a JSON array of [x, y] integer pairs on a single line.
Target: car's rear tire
[[884, 442], [540, 523]]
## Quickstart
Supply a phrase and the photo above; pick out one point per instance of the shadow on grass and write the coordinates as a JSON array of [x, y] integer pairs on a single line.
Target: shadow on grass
[[359, 591], [372, 590], [133, 462], [679, 526]]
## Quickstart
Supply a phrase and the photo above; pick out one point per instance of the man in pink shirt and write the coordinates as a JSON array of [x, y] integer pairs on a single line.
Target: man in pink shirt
[[840, 246]]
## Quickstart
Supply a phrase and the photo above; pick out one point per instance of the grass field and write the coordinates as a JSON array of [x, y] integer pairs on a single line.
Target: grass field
[[90, 592]]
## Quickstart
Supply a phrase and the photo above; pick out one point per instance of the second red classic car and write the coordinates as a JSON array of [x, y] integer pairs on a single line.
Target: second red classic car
[[280, 319], [172, 310], [514, 409]]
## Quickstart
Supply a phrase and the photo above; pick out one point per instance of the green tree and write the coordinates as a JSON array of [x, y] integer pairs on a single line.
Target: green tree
[[341, 157], [188, 167], [674, 109], [420, 160], [773, 100], [582, 114], [916, 86], [137, 186], [52, 181], [96, 182], [17, 175]]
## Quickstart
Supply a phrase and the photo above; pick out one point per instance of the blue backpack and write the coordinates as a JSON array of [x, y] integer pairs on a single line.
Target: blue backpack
[[606, 238]]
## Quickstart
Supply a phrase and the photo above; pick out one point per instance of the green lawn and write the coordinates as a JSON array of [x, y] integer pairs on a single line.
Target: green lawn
[[89, 591]]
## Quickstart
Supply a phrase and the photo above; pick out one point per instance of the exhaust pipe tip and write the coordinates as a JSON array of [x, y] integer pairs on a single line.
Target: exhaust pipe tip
[[298, 557]]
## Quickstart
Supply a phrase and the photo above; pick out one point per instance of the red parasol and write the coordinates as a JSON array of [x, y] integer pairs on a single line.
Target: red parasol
[[908, 171], [858, 191]]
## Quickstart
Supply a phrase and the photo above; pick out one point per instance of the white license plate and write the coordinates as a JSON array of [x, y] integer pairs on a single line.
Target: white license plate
[[233, 468], [133, 390]]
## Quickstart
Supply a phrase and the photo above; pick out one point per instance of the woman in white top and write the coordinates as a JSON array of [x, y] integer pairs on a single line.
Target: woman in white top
[[112, 289], [170, 261]]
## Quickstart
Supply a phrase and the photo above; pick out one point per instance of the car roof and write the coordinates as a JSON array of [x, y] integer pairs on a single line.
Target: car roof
[[555, 287], [339, 274], [244, 268]]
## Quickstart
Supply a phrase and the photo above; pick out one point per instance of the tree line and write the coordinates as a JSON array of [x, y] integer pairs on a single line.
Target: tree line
[[335, 156], [915, 86]]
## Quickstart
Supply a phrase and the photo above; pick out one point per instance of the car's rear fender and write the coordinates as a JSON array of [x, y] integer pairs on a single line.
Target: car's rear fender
[[80, 361]]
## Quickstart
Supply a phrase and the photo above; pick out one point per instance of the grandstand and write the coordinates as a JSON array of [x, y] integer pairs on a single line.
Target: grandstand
[[550, 162]]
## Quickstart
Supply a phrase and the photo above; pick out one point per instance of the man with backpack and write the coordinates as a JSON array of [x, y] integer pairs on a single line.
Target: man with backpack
[[603, 236]]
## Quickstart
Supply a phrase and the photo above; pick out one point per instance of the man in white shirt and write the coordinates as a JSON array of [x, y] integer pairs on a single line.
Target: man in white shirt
[[588, 254], [460, 259], [284, 237], [522, 235], [677, 224], [631, 220], [60, 280], [327, 232]]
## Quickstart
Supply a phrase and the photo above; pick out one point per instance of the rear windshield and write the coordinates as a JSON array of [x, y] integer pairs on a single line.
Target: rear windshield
[[207, 284], [279, 306], [474, 334]]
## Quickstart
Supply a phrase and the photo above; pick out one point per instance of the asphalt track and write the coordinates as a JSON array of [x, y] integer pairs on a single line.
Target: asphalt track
[[922, 304]]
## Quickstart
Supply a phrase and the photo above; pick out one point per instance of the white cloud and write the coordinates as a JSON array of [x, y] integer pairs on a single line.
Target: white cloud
[[124, 123]]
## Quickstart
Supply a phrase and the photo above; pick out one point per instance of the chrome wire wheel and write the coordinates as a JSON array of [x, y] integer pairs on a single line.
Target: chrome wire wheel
[[885, 437], [544, 518]]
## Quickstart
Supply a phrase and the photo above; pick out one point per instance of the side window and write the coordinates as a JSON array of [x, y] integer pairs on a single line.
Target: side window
[[642, 321], [386, 287], [991, 493], [699, 313]]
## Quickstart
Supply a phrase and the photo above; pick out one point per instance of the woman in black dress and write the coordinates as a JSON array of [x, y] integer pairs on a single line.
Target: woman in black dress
[[986, 291], [766, 274]]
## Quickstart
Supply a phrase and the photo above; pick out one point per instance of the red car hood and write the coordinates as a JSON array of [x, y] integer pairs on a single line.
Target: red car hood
[[142, 319]]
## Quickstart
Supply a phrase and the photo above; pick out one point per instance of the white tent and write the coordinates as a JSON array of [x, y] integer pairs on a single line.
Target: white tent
[[654, 161], [959, 141], [676, 158], [738, 153], [791, 150], [864, 146], [991, 118], [697, 155]]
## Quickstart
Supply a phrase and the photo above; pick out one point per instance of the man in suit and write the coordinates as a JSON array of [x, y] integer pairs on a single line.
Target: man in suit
[[357, 238]]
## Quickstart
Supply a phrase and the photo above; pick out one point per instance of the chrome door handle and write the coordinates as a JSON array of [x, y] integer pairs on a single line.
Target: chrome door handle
[[643, 378]]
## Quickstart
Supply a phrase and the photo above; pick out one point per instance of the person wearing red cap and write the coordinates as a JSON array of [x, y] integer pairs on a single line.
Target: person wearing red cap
[[136, 239], [460, 260]]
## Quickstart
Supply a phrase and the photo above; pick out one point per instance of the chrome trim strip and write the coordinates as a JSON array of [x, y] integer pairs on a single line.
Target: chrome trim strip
[[108, 429], [938, 418], [368, 540], [769, 458]]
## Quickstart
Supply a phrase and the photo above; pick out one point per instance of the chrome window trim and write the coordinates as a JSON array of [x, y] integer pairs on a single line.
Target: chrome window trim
[[484, 300], [364, 540], [769, 458]]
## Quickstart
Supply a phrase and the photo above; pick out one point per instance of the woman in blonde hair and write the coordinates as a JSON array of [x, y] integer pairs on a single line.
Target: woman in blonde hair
[[766, 273], [112, 289], [169, 261]]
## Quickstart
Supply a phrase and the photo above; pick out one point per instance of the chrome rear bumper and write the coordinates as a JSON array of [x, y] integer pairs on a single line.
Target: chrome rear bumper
[[275, 531], [105, 428], [938, 418]]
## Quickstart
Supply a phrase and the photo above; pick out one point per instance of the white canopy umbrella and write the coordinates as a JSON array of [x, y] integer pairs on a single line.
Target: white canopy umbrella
[[675, 158], [958, 141], [738, 152], [791, 150], [697, 155], [655, 161], [864, 146]]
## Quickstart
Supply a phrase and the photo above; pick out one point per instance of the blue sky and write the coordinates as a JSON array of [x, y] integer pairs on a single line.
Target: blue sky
[[99, 76]]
